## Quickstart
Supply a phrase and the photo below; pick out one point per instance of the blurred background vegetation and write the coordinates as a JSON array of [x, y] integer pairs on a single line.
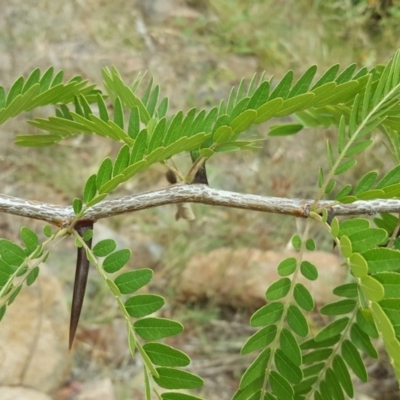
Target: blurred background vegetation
[[196, 50]]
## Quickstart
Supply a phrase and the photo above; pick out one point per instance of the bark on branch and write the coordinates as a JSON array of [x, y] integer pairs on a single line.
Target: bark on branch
[[183, 193]]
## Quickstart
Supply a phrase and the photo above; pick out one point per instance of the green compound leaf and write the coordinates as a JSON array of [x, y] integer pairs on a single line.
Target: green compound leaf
[[335, 227], [259, 340], [351, 226], [313, 370], [365, 183], [2, 311], [114, 289], [354, 360], [166, 356], [278, 289], [312, 344], [90, 189], [345, 166], [372, 289], [332, 329], [345, 246], [104, 247], [256, 369], [390, 178], [77, 206], [297, 321], [303, 297], [333, 385], [11, 253], [342, 373], [349, 290], [284, 129], [130, 282], [381, 260], [252, 389], [268, 110], [122, 160], [390, 282], [172, 378], [296, 242], [366, 322], [143, 304], [310, 245], [309, 270], [362, 341], [367, 239], [287, 267], [267, 314], [282, 89], [358, 265], [287, 368], [339, 307], [30, 239], [280, 386], [243, 121], [14, 295], [305, 386], [290, 346], [304, 82], [31, 278], [157, 328], [115, 261], [316, 356], [178, 396], [358, 147]]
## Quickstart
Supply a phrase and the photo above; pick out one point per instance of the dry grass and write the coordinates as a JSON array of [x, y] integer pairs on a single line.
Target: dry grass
[[196, 54]]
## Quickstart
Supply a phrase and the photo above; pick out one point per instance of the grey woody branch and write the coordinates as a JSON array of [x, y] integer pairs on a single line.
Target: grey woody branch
[[183, 193]]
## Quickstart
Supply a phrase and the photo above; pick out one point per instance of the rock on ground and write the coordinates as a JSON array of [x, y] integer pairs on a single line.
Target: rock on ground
[[20, 393], [34, 337], [240, 277]]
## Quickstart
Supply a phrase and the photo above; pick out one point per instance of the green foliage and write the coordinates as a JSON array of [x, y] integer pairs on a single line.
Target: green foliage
[[292, 361]]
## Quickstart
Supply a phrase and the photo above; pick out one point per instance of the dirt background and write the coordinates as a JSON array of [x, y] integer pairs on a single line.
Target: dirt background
[[196, 51]]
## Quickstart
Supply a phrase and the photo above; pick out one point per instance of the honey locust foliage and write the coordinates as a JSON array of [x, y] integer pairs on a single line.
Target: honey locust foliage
[[290, 361]]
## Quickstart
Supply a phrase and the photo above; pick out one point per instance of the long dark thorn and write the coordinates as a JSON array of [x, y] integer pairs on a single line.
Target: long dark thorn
[[81, 276]]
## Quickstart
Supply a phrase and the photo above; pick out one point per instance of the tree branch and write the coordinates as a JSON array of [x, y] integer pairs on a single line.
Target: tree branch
[[183, 193]]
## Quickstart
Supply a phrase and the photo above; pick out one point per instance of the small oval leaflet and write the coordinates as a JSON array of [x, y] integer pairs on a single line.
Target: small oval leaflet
[[256, 369], [157, 328], [115, 261], [171, 378], [287, 267], [303, 297], [132, 281], [286, 367], [290, 346], [104, 247], [332, 329], [267, 314], [166, 356], [260, 339], [309, 270], [143, 304], [297, 321], [280, 386], [339, 307], [354, 360], [278, 289], [178, 396]]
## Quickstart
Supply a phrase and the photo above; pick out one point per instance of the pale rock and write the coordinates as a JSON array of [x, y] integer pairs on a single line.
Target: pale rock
[[34, 337], [20, 393], [98, 390], [240, 277]]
